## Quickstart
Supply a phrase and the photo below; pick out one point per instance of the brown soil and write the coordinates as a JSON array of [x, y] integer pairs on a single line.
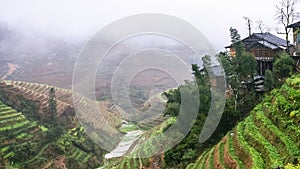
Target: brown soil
[[60, 163], [229, 162], [217, 163], [244, 156]]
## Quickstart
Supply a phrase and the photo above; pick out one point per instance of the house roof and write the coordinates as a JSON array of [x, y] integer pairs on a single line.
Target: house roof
[[271, 38], [267, 44], [294, 25], [266, 39]]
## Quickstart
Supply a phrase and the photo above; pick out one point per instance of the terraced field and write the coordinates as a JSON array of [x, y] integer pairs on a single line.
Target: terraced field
[[268, 138], [24, 143], [147, 145], [21, 131], [16, 131], [11, 90]]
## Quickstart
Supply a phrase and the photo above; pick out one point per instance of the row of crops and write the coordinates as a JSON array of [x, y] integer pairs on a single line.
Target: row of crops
[[25, 143], [17, 134], [268, 138], [108, 120], [148, 144]]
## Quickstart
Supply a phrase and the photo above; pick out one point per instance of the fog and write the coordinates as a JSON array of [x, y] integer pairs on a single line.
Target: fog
[[77, 21]]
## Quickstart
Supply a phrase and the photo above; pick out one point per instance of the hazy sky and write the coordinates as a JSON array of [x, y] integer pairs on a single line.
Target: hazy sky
[[81, 19]]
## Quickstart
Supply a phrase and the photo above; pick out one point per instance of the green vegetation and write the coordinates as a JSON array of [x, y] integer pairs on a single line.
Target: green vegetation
[[38, 124], [128, 127], [43, 128], [256, 139], [28, 140], [257, 161], [269, 136], [283, 66], [232, 152], [238, 105]]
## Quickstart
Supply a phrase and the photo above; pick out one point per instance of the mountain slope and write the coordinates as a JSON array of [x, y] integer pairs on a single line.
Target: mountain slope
[[268, 138], [25, 128]]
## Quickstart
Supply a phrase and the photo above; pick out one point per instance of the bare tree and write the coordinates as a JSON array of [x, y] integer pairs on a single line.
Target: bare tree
[[262, 27], [285, 15], [248, 22]]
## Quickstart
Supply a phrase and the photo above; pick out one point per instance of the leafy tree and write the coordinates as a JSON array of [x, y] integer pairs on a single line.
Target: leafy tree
[[244, 62], [283, 67], [185, 151], [246, 65], [236, 41], [173, 109], [229, 68], [240, 68]]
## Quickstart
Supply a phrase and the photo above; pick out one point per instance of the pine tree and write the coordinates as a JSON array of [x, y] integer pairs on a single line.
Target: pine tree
[[53, 106], [55, 130]]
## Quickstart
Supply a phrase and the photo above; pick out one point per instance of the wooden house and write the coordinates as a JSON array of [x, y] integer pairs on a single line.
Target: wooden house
[[264, 46]]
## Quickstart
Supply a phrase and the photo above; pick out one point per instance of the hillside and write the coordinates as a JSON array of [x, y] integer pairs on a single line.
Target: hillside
[[25, 131], [268, 138]]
